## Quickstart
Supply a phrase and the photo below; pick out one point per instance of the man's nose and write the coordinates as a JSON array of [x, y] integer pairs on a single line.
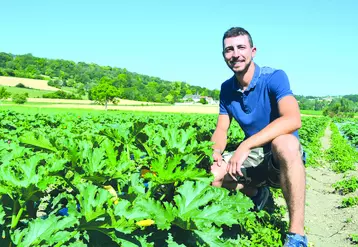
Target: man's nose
[[236, 52]]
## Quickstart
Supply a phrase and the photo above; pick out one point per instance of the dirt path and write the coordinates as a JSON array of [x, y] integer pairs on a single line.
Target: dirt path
[[326, 224]]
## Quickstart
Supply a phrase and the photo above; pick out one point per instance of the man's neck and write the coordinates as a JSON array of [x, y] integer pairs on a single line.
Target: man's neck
[[244, 78]]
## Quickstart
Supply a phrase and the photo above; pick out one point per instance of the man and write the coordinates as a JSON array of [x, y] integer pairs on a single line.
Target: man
[[261, 101]]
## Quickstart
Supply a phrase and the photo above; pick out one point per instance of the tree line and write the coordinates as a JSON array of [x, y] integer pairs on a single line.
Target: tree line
[[344, 106], [85, 76]]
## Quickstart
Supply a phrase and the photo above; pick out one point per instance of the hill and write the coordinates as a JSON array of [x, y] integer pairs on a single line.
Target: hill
[[83, 76]]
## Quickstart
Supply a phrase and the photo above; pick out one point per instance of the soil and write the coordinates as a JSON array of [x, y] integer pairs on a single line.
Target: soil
[[326, 223]]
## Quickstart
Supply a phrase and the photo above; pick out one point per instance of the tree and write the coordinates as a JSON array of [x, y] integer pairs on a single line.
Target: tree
[[203, 101], [340, 108], [105, 92], [19, 98], [4, 94]]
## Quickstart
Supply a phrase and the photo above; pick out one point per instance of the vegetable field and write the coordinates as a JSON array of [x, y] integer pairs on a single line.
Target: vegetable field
[[126, 180]]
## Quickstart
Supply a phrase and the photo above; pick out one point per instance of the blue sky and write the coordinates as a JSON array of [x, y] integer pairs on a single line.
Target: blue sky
[[314, 42]]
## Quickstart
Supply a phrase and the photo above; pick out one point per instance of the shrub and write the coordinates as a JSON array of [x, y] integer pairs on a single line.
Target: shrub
[[346, 186], [61, 95], [203, 101], [350, 202], [55, 83], [19, 98], [20, 85]]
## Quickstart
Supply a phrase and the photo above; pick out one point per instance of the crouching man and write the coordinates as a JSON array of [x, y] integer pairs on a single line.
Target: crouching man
[[261, 101]]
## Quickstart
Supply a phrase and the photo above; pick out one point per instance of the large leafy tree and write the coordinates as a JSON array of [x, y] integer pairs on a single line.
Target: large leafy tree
[[340, 108], [105, 92]]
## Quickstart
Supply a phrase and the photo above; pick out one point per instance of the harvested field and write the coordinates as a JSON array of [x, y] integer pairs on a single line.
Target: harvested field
[[31, 83]]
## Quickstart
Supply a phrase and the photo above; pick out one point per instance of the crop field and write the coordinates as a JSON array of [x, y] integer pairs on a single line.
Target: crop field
[[134, 179], [30, 83]]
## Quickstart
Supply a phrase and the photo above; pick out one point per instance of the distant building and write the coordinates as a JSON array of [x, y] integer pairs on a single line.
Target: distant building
[[195, 98], [192, 98]]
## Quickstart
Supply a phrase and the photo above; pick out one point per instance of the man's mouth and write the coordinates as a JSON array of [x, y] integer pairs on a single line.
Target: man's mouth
[[237, 62]]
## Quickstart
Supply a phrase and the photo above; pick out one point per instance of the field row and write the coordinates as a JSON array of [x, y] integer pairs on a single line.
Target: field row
[[125, 180]]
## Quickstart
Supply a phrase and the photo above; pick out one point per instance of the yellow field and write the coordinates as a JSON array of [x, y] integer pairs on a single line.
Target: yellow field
[[31, 83]]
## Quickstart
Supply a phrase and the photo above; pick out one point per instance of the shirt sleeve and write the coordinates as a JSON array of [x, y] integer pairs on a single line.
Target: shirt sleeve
[[279, 85]]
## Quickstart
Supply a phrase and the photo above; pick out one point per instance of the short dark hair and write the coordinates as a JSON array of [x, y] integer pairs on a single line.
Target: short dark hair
[[237, 31]]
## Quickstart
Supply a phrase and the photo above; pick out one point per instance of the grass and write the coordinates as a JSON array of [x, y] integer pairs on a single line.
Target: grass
[[34, 110], [33, 93], [312, 112], [79, 111]]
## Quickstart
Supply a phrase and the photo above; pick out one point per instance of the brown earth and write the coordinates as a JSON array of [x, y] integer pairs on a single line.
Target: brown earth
[[328, 225]]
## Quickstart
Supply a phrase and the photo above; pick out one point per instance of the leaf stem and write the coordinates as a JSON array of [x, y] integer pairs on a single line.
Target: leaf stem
[[15, 220]]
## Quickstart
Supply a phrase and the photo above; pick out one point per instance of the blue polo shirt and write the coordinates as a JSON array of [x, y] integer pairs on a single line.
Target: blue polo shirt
[[257, 106]]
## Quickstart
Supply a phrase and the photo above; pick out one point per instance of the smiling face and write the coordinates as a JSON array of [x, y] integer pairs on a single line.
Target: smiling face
[[238, 53]]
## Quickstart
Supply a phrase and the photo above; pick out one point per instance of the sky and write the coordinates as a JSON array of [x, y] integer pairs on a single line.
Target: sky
[[314, 42]]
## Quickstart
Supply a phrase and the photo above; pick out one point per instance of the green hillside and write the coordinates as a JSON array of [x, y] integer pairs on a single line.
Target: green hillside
[[83, 76]]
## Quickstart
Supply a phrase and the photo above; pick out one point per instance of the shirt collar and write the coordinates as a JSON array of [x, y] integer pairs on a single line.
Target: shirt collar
[[253, 82]]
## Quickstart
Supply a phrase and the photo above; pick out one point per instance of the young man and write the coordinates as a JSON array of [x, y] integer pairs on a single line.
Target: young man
[[261, 101]]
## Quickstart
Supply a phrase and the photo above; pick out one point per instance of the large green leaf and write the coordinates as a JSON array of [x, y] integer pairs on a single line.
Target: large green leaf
[[206, 205], [92, 200], [51, 230]]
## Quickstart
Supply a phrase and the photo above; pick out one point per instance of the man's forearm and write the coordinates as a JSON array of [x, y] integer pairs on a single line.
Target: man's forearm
[[280, 126], [220, 139]]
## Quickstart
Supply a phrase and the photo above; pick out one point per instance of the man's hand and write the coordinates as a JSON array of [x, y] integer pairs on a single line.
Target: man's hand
[[240, 155], [217, 157]]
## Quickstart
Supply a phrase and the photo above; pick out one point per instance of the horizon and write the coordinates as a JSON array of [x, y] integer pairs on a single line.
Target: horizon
[[323, 96], [182, 41]]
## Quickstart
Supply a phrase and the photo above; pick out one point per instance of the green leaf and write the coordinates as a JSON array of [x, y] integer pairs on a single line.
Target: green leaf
[[162, 215], [50, 230], [40, 142], [206, 205], [125, 209], [92, 201], [211, 237]]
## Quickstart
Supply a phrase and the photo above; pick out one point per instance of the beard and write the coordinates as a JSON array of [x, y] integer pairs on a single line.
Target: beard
[[244, 70]]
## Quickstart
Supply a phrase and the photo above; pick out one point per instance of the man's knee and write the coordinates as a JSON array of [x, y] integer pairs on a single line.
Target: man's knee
[[219, 172], [285, 147]]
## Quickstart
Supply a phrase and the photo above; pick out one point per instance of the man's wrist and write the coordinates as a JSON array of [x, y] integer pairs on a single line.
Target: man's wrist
[[246, 144], [217, 150]]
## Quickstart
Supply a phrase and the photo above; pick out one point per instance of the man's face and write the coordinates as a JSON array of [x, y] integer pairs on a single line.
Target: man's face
[[238, 53]]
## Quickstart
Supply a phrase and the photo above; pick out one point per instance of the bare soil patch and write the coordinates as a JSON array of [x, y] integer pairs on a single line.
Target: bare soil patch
[[31, 83], [327, 225]]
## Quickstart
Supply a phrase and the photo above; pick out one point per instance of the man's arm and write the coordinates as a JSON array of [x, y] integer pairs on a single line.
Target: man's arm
[[220, 134], [288, 122]]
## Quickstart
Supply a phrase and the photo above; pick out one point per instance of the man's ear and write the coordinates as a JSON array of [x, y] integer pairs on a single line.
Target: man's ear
[[253, 51]]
